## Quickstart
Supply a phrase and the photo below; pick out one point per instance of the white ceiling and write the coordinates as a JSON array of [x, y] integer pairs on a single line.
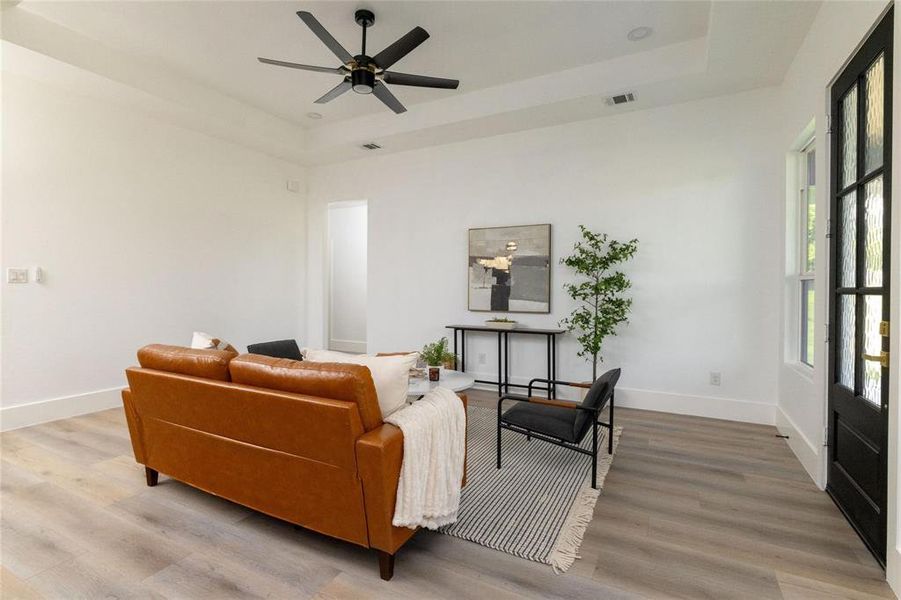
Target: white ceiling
[[481, 43], [521, 64]]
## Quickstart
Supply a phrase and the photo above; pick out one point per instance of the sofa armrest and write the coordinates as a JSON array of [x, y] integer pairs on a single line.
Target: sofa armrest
[[135, 430], [380, 453]]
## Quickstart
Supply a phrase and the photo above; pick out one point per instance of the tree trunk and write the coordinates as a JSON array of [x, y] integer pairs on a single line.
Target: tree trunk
[[594, 367]]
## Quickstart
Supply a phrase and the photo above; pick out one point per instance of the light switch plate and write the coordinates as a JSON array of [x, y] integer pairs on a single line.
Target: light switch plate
[[16, 275]]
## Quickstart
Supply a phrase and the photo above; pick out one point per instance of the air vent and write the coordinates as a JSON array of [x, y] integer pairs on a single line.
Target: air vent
[[621, 99], [371, 146]]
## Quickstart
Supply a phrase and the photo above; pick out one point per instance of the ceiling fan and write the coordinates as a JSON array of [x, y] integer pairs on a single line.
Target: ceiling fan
[[368, 74]]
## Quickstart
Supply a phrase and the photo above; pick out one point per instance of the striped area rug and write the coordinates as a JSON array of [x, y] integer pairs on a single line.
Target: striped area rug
[[538, 505]]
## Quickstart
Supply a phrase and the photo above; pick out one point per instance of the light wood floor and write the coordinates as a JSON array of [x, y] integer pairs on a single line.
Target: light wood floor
[[692, 508]]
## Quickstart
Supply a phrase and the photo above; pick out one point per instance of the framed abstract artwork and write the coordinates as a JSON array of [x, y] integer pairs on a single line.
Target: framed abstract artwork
[[510, 269]]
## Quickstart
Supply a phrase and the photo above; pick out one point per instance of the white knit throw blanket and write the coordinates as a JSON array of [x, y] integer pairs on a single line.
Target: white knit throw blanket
[[428, 492]]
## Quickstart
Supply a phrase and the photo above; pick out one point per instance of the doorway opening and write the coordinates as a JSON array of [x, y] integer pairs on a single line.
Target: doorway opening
[[347, 258]]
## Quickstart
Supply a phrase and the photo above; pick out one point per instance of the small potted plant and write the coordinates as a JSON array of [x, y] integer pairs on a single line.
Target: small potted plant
[[501, 323], [437, 355]]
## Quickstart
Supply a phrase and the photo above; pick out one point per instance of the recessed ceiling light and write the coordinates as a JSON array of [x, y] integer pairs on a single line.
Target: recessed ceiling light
[[639, 33], [314, 115]]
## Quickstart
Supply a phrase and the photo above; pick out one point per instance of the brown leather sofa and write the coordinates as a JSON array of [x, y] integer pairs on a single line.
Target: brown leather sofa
[[303, 442]]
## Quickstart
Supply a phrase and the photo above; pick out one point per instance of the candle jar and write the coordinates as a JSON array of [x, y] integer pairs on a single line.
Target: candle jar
[[434, 373]]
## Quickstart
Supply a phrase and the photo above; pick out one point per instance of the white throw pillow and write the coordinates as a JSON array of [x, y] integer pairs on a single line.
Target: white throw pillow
[[390, 374], [204, 341]]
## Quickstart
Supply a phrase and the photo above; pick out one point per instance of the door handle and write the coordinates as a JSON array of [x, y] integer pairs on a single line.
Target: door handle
[[881, 358]]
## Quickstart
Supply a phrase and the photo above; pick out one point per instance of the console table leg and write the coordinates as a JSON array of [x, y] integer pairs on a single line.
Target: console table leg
[[462, 348], [500, 382], [506, 363], [550, 374]]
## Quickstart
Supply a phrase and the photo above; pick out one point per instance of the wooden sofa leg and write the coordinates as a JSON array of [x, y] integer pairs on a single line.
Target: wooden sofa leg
[[152, 476], [386, 565]]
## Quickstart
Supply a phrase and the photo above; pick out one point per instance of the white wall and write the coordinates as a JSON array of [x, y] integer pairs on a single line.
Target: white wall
[[838, 29], [347, 275], [146, 232], [694, 183]]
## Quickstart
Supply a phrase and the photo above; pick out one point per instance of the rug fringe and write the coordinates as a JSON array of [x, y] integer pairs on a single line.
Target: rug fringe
[[566, 547]]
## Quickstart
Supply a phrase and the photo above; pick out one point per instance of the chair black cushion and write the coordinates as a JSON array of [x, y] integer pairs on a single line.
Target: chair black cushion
[[278, 349], [597, 397], [549, 420]]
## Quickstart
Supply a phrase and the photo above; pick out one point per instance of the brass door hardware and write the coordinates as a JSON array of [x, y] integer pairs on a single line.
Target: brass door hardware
[[881, 358], [883, 328]]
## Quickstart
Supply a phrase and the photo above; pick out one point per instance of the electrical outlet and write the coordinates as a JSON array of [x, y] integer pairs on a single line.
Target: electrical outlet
[[481, 358], [16, 275], [716, 378]]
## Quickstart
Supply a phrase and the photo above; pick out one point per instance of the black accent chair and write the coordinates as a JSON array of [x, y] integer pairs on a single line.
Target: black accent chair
[[560, 422], [278, 349]]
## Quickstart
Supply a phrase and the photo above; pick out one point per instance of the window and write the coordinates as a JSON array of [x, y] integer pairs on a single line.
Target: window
[[807, 251]]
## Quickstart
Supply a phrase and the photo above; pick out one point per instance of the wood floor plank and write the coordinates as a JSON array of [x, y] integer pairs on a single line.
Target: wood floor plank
[[692, 508]]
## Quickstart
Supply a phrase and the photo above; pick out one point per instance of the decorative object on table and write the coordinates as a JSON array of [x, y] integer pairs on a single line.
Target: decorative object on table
[[501, 323], [551, 499], [602, 304], [434, 373], [561, 422], [510, 269], [437, 355], [277, 349]]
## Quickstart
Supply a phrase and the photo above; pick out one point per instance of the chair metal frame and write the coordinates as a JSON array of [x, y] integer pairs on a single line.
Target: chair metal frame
[[567, 405]]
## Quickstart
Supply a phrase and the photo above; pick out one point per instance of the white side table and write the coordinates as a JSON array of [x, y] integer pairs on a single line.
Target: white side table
[[456, 381]]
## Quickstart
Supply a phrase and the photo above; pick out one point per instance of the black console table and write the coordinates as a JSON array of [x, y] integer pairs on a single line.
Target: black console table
[[503, 342]]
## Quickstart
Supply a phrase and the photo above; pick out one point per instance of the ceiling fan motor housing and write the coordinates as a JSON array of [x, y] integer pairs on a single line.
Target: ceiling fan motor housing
[[363, 80]]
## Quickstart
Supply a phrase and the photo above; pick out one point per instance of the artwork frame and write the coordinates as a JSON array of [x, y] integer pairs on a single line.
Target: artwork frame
[[501, 281]]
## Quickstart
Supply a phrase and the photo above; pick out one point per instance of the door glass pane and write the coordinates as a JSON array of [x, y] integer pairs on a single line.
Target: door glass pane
[[872, 345], [849, 137], [873, 233], [846, 320], [874, 117], [848, 239], [807, 321]]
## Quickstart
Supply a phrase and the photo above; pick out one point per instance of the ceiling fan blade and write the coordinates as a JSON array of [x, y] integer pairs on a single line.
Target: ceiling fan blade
[[343, 55], [382, 93], [335, 91], [400, 48], [281, 63], [396, 78]]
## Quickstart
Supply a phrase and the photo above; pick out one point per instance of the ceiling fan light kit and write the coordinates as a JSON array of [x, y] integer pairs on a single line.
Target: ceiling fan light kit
[[366, 74]]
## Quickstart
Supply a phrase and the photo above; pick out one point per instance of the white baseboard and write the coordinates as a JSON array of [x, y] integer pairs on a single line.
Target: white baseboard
[[809, 453], [683, 404], [893, 571], [698, 406], [23, 415]]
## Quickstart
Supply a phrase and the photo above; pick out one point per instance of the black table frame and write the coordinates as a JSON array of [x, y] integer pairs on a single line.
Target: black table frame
[[503, 355]]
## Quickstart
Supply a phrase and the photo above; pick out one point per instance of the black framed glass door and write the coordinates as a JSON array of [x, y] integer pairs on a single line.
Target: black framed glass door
[[860, 197]]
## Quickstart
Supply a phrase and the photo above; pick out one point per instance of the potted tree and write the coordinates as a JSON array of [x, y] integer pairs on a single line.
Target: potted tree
[[599, 291], [437, 355]]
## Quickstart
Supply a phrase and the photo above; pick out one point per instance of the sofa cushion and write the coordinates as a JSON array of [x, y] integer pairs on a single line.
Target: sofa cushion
[[209, 364], [391, 374], [204, 341], [346, 382], [277, 349]]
